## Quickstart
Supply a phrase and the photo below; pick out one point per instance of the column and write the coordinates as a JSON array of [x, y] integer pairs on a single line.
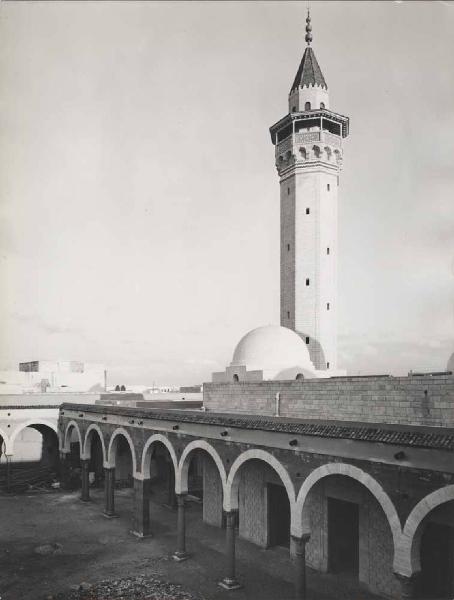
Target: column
[[85, 466], [109, 486], [8, 472], [171, 498], [230, 582], [407, 586], [300, 566], [141, 517], [181, 553], [64, 471]]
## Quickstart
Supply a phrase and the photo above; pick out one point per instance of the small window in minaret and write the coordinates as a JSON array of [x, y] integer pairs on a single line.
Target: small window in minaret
[[307, 340], [307, 281], [307, 106], [327, 186], [293, 108], [327, 306], [322, 105], [288, 247], [327, 251], [288, 191], [288, 314], [308, 211], [327, 365]]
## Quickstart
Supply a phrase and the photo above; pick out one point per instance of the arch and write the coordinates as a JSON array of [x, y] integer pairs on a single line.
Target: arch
[[299, 376], [408, 556], [362, 477], [146, 456], [236, 377], [6, 441], [69, 426], [322, 105], [307, 106], [303, 153], [231, 491], [87, 442], [181, 475], [317, 151], [113, 448], [30, 423]]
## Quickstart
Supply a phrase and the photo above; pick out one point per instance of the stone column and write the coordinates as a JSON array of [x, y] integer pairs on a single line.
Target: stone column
[[109, 486], [64, 471], [300, 565], [171, 497], [85, 467], [8, 472], [141, 516], [230, 582], [181, 553], [407, 586]]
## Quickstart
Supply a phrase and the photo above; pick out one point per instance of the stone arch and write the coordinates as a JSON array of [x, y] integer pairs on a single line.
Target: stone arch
[[146, 455], [303, 153], [113, 442], [87, 442], [408, 556], [231, 491], [181, 475], [317, 151], [6, 442], [69, 426], [362, 477]]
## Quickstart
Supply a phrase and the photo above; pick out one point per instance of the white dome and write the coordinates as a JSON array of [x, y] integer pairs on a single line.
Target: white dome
[[277, 351]]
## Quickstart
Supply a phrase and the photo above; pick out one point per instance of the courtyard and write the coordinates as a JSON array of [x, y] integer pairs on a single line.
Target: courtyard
[[53, 544]]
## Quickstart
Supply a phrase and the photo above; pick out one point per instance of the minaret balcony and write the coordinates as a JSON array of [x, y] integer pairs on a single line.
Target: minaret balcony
[[293, 141]]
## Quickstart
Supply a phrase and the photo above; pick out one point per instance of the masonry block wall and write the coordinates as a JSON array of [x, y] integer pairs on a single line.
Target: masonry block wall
[[212, 493], [416, 400]]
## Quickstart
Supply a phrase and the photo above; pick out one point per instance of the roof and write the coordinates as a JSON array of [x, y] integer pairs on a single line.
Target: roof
[[435, 438], [309, 72]]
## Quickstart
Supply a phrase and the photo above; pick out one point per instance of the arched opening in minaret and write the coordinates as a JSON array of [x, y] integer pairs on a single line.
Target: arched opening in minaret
[[299, 376], [236, 378], [307, 106], [322, 105]]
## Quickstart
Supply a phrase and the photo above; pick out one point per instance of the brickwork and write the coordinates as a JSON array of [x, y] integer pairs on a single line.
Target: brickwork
[[418, 400], [212, 494]]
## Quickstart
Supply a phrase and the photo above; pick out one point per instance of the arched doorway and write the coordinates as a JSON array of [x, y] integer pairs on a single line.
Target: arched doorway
[[160, 469], [350, 533], [94, 450], [436, 579], [35, 455], [119, 485]]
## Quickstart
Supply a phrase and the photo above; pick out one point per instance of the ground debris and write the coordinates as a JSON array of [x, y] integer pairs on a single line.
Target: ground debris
[[128, 588]]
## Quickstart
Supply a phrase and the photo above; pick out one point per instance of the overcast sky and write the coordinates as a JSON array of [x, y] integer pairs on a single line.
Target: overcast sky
[[139, 198]]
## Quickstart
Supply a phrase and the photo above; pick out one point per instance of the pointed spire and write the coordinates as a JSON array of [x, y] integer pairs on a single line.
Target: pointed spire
[[308, 37], [309, 72]]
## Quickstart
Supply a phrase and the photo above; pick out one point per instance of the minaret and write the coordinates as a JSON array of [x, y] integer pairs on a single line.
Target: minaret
[[308, 144]]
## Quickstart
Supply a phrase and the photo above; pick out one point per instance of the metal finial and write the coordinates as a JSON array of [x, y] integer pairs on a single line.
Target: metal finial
[[308, 37]]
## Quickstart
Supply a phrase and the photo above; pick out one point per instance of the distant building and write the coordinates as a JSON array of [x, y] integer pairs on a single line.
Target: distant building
[[53, 376]]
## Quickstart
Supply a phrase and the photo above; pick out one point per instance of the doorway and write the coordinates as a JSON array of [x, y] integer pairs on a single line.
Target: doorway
[[278, 516], [436, 562], [343, 537]]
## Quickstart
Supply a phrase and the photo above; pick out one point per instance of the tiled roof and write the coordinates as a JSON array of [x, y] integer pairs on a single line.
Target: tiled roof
[[309, 72], [433, 438]]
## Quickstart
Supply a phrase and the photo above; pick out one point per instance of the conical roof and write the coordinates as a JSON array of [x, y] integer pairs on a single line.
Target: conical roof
[[309, 72]]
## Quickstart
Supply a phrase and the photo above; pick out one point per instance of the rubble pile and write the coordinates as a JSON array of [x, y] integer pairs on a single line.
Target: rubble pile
[[129, 588]]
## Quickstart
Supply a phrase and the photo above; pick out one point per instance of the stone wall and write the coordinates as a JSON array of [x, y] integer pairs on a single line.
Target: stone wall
[[416, 400]]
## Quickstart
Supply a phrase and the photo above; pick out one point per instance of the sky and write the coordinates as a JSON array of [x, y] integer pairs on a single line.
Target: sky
[[139, 201]]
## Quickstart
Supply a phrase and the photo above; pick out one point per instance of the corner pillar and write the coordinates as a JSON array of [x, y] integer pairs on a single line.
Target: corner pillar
[[85, 476], [407, 586], [181, 554], [230, 582], [299, 559], [109, 483], [141, 517]]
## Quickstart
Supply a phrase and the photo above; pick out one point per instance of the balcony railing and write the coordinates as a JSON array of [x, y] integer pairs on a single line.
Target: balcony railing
[[324, 137]]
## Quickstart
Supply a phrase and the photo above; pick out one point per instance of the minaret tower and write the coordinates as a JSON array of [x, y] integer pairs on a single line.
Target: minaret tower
[[308, 143]]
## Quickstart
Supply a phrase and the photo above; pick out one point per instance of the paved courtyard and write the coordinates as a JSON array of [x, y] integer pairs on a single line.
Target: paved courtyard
[[51, 542]]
